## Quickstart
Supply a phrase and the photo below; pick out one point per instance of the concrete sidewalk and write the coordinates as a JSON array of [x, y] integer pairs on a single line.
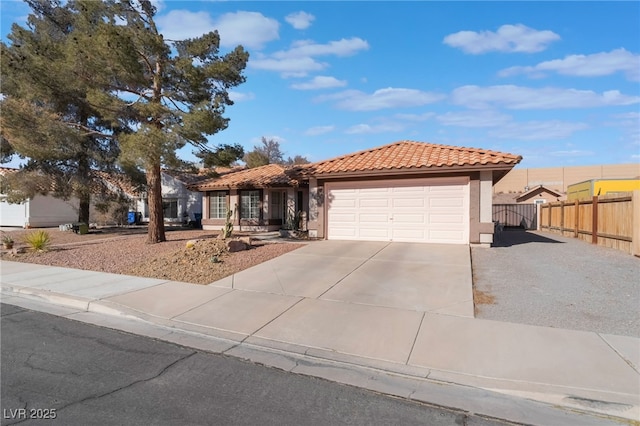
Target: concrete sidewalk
[[417, 345]]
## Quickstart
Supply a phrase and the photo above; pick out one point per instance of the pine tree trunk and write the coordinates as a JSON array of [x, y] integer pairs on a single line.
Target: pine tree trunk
[[84, 192], [83, 208], [156, 218]]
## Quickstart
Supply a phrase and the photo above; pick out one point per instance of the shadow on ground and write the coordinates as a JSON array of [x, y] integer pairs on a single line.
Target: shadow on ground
[[514, 236]]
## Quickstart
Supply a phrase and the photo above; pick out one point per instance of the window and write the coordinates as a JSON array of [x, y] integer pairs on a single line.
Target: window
[[218, 205], [170, 208], [250, 205]]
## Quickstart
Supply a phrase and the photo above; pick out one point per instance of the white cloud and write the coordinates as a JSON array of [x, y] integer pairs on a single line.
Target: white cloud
[[239, 96], [290, 67], [250, 29], [377, 128], [508, 38], [299, 60], [342, 47], [416, 117], [571, 153], [319, 130], [595, 65], [473, 119], [300, 20], [320, 82], [537, 130], [517, 97], [183, 24], [354, 100]]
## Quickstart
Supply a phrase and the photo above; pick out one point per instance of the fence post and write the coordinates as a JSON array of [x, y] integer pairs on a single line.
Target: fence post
[[561, 217], [635, 236], [577, 218], [594, 222]]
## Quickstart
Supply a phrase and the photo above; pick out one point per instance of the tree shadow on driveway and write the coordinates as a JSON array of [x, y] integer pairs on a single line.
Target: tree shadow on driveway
[[513, 236]]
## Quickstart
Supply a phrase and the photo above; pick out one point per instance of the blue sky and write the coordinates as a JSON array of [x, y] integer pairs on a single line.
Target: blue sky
[[555, 82]]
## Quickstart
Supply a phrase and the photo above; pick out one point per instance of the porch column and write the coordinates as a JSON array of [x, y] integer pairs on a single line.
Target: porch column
[[486, 207], [316, 213]]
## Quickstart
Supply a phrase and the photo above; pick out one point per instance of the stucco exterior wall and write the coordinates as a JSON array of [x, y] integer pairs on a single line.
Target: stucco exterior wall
[[46, 211]]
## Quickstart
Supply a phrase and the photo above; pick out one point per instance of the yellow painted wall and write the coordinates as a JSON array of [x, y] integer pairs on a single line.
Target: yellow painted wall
[[601, 187], [580, 190]]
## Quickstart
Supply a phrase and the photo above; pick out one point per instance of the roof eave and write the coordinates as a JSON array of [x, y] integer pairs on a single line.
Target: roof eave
[[413, 171]]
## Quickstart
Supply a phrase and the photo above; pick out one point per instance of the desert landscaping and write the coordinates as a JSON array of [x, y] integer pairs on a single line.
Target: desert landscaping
[[189, 255]]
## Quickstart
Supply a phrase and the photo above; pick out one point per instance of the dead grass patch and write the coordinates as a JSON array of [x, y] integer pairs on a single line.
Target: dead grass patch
[[481, 298]]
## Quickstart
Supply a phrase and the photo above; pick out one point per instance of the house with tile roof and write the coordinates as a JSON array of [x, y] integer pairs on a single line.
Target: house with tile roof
[[39, 211], [180, 204], [405, 191], [262, 198]]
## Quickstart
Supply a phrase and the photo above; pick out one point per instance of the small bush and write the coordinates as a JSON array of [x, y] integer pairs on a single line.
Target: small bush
[[38, 240]]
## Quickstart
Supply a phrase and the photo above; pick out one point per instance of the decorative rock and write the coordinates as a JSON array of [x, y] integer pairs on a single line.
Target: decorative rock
[[246, 240], [236, 245]]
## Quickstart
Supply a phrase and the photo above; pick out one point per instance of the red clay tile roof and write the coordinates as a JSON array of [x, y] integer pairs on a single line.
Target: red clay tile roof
[[409, 155], [257, 177], [115, 182]]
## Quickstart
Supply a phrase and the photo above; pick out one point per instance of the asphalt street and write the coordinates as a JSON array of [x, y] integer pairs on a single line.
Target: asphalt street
[[59, 371]]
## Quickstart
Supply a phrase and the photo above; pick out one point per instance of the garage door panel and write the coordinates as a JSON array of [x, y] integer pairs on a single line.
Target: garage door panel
[[408, 218], [374, 191], [366, 218], [447, 188], [408, 235], [373, 232], [343, 203], [408, 202], [339, 218], [445, 236], [373, 203], [446, 219], [446, 202]]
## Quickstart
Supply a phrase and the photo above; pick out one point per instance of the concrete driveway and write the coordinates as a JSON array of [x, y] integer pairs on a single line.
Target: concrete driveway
[[417, 277]]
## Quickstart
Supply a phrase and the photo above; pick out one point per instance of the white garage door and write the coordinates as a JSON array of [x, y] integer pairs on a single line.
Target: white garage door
[[426, 210]]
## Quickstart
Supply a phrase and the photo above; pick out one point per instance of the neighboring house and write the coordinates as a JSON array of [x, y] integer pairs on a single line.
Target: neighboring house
[[39, 211], [261, 199], [405, 191], [538, 195], [180, 204], [43, 211]]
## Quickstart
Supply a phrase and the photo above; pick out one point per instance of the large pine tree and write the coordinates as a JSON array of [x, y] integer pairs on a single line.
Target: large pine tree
[[166, 93], [102, 72], [46, 116]]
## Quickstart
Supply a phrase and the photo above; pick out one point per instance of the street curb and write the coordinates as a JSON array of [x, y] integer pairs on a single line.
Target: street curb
[[482, 396]]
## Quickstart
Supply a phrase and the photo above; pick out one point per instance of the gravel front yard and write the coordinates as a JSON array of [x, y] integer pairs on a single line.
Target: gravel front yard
[[549, 280], [124, 251]]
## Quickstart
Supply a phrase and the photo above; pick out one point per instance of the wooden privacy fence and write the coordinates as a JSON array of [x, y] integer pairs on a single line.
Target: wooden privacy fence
[[520, 215], [609, 221]]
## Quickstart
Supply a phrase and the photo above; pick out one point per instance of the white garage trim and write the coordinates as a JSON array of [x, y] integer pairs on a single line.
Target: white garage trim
[[430, 210]]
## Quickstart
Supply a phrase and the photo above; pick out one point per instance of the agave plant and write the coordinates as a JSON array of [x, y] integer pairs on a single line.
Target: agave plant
[[38, 240]]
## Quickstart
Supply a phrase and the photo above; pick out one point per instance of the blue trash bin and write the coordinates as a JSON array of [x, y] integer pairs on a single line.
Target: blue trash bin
[[131, 218], [198, 220]]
